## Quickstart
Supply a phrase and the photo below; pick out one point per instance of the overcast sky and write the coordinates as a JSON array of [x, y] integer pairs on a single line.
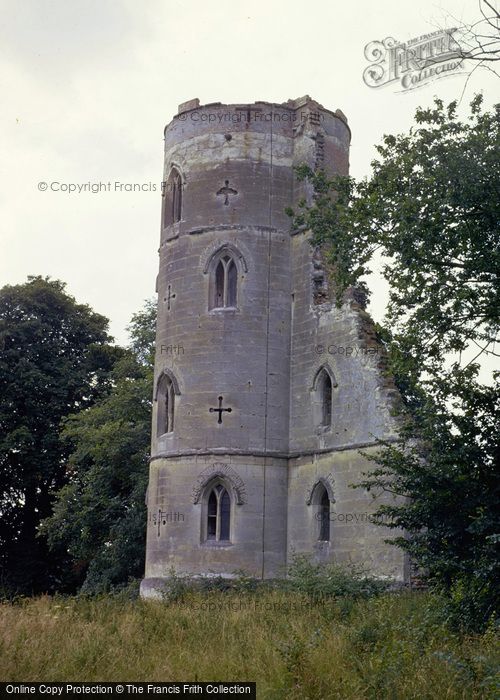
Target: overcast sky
[[87, 88]]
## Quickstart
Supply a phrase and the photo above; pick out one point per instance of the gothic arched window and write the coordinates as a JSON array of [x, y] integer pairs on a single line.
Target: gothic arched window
[[172, 207], [226, 268], [218, 514], [322, 399], [225, 283], [166, 405]]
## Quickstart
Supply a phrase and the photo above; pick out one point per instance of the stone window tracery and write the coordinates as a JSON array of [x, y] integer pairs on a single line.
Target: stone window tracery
[[218, 522]]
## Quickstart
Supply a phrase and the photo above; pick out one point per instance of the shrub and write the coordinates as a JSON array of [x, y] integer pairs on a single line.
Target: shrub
[[319, 580]]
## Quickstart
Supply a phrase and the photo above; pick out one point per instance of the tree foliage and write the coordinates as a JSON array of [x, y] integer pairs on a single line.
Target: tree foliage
[[99, 516], [55, 359]]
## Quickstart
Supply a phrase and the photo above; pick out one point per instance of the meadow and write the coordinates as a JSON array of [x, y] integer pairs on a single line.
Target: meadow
[[393, 646]]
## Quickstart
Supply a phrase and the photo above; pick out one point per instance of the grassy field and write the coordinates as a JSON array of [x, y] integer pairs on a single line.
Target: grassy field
[[388, 647]]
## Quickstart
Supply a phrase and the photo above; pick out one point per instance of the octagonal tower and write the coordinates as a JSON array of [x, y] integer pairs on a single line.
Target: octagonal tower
[[243, 410]]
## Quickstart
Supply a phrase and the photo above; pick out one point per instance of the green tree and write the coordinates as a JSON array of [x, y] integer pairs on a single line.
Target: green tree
[[55, 359], [431, 208], [99, 516], [448, 467]]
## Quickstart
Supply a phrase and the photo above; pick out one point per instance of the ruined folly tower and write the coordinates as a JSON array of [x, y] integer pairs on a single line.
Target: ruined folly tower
[[264, 390]]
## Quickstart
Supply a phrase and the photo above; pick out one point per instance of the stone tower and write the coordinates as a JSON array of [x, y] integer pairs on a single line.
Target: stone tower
[[264, 390]]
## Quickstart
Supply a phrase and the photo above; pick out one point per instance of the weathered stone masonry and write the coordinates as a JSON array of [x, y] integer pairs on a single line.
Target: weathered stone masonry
[[258, 422]]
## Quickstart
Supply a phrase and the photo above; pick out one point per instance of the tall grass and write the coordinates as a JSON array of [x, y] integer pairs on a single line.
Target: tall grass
[[393, 646]]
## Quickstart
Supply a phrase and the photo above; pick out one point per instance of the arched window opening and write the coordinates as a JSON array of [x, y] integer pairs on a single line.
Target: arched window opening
[[225, 513], [219, 285], [322, 399], [232, 279], [166, 405], [172, 210], [176, 197], [218, 514], [326, 399], [212, 516], [324, 520], [226, 280]]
